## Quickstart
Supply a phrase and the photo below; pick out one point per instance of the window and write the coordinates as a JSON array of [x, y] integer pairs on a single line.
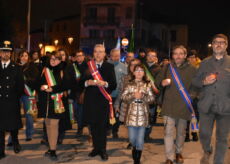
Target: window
[[173, 35], [129, 13], [109, 34], [111, 14], [57, 28], [64, 27], [92, 13], [94, 33]]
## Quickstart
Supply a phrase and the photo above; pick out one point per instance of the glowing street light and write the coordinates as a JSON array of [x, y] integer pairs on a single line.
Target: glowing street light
[[124, 42], [40, 45], [209, 45], [56, 42], [70, 40]]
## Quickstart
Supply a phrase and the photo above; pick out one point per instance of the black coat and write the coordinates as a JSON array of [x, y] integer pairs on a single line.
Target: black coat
[[45, 103], [96, 106], [11, 89]]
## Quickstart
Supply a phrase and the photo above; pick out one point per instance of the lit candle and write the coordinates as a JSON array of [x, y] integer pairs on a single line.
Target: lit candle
[[168, 81], [45, 87]]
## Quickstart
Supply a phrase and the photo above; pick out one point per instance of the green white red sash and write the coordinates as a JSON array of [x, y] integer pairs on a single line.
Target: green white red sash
[[32, 109], [77, 72], [150, 77], [185, 95], [71, 113], [56, 97], [96, 75]]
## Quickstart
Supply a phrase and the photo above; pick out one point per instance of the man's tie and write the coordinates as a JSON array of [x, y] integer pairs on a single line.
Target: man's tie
[[4, 66], [98, 66]]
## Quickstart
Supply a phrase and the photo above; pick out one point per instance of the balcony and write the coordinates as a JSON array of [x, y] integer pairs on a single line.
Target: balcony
[[101, 21]]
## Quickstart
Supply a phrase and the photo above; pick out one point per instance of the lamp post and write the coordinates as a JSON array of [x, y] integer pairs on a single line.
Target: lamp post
[[70, 40]]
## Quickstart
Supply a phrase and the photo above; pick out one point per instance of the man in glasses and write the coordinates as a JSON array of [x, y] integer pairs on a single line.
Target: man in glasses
[[213, 78]]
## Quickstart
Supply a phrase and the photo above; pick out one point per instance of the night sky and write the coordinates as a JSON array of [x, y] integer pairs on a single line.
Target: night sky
[[204, 18]]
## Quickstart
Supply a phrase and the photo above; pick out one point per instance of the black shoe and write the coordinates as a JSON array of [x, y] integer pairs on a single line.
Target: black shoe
[[187, 138], [60, 141], [44, 142], [194, 136], [53, 155], [104, 156], [47, 154], [9, 144], [17, 148], [28, 139], [93, 153], [129, 146], [115, 136], [79, 132], [2, 155]]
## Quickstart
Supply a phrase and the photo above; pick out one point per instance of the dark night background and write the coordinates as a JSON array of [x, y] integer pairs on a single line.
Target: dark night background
[[204, 18]]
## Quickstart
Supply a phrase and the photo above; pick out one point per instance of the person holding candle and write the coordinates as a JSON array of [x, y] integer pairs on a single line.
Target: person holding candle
[[174, 107], [138, 95], [52, 86], [213, 79]]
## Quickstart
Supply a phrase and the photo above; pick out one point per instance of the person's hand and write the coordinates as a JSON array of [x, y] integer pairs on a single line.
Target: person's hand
[[49, 89], [101, 83], [210, 79], [166, 82], [91, 82], [44, 87], [138, 95]]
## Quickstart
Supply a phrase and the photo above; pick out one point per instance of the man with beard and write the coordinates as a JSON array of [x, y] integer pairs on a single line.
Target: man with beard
[[213, 79], [174, 108]]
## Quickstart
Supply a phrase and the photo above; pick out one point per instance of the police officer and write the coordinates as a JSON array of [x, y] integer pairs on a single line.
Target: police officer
[[11, 89]]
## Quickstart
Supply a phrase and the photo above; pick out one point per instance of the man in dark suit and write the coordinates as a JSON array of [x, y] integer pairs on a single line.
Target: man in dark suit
[[96, 106], [11, 89]]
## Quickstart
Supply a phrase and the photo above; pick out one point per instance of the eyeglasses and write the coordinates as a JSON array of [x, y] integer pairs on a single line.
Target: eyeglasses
[[79, 56], [54, 59], [139, 70], [152, 56], [219, 42]]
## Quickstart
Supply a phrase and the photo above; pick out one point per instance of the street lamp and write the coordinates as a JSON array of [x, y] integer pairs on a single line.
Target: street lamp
[[56, 42], [70, 40], [209, 45], [40, 45], [124, 42]]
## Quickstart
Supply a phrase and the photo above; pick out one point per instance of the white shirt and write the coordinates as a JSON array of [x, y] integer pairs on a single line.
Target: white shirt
[[6, 64]]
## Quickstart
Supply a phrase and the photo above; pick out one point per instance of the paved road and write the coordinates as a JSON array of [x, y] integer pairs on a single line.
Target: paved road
[[76, 150]]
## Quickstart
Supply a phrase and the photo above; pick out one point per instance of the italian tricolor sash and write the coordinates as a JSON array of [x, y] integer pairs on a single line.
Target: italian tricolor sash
[[57, 97], [150, 77], [32, 109], [184, 94], [71, 112], [77, 72], [96, 75]]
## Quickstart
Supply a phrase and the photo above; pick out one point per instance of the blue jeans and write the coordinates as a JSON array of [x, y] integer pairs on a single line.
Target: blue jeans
[[78, 108], [136, 136], [29, 119]]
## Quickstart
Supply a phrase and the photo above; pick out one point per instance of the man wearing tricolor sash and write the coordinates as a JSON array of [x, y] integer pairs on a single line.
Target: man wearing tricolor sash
[[152, 68], [176, 78], [99, 82], [213, 79]]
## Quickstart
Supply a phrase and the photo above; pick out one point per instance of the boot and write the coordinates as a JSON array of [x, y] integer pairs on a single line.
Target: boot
[[134, 153], [194, 136], [138, 157]]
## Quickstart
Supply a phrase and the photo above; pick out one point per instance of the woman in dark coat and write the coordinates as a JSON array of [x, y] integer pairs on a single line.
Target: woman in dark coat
[[52, 97], [30, 73]]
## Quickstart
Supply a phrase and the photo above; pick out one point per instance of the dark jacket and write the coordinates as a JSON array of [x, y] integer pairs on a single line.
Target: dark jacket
[[11, 89], [173, 104], [45, 103], [96, 106], [216, 95]]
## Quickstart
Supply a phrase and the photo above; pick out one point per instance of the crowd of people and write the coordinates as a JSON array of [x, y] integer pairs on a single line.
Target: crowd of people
[[101, 93]]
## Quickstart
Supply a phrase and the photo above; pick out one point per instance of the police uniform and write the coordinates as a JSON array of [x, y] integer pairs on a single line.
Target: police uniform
[[11, 89]]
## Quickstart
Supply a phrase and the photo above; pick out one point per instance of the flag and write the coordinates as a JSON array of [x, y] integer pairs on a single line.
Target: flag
[[131, 45], [118, 46]]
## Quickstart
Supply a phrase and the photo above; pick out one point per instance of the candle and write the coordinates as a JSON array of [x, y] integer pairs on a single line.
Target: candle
[[45, 87], [168, 81]]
